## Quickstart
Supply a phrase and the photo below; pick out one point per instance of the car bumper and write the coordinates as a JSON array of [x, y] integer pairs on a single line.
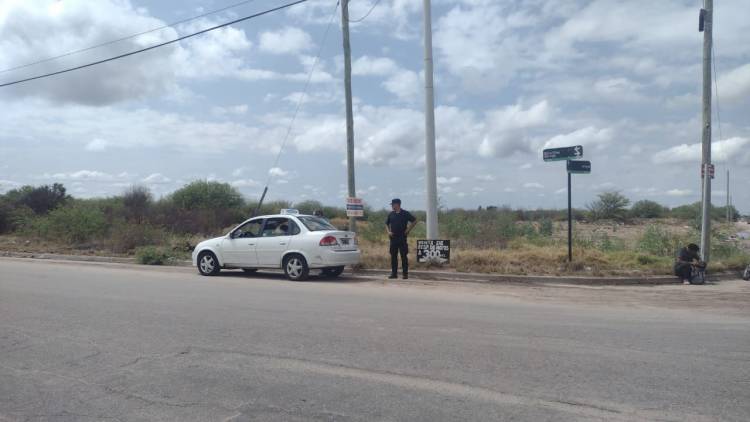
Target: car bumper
[[336, 259]]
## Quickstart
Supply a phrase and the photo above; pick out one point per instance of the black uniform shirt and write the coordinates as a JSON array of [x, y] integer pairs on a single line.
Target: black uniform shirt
[[398, 221], [686, 255]]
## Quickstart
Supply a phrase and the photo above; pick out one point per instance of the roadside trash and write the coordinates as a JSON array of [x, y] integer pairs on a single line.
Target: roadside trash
[[746, 274]]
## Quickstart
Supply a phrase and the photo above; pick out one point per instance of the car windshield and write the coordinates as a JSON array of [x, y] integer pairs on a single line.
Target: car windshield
[[316, 224]]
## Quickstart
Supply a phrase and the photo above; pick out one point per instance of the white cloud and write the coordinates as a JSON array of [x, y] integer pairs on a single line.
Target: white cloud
[[486, 177], [404, 84], [525, 166], [533, 185], [245, 183], [289, 40], [508, 127], [587, 137], [448, 180], [379, 66], [89, 175], [679, 192], [735, 84], [733, 149], [156, 179], [97, 144], [277, 172]]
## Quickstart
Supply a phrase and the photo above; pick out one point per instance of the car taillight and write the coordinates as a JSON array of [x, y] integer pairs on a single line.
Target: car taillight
[[329, 241]]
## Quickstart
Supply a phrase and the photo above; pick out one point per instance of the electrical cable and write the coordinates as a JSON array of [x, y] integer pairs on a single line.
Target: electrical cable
[[303, 95], [366, 14], [46, 75], [104, 44]]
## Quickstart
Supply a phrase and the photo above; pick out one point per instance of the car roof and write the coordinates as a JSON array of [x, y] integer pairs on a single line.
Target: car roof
[[280, 215]]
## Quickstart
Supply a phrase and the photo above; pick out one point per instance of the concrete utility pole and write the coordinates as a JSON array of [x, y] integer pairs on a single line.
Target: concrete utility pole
[[706, 129], [349, 112], [429, 117]]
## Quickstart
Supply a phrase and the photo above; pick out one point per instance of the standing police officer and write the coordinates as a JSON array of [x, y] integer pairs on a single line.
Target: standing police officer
[[399, 223]]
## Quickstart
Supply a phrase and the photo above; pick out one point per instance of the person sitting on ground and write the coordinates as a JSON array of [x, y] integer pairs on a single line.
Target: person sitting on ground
[[686, 259]]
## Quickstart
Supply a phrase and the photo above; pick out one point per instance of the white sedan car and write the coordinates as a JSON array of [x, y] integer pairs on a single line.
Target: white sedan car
[[293, 242]]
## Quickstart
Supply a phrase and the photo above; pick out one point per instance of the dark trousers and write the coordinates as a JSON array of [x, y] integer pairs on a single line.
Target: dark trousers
[[684, 271], [399, 246]]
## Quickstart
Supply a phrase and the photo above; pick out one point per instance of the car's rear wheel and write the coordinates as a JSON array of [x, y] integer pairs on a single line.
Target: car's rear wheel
[[295, 267], [208, 264], [250, 270], [332, 272]]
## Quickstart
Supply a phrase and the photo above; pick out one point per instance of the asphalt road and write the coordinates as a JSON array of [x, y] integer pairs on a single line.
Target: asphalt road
[[91, 342]]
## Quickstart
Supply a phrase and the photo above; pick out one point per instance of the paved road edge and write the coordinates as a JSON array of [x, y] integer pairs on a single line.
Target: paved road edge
[[421, 275]]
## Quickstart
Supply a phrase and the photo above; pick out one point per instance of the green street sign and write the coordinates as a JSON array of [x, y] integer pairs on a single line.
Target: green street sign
[[564, 153], [579, 167]]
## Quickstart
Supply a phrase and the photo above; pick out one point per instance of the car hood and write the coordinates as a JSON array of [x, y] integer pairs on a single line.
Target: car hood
[[210, 242]]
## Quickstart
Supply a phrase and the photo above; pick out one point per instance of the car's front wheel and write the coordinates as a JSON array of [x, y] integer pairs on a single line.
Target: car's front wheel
[[332, 272], [208, 264], [295, 267]]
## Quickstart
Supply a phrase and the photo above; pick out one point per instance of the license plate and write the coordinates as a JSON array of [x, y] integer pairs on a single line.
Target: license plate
[[344, 241]]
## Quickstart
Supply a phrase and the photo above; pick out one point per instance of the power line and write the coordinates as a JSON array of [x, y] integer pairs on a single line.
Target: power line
[[104, 44], [366, 14], [304, 93], [46, 75], [716, 89]]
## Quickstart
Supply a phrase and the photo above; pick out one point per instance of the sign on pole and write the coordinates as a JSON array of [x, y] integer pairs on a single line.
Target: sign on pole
[[711, 171], [437, 251], [569, 154], [579, 166], [355, 207], [564, 153]]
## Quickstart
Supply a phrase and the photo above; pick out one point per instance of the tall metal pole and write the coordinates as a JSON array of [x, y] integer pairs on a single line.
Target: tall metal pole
[[349, 112], [706, 130], [570, 223], [429, 116], [728, 215]]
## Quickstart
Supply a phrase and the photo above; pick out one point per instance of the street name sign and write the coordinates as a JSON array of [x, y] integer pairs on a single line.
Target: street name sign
[[579, 166], [564, 153], [355, 207]]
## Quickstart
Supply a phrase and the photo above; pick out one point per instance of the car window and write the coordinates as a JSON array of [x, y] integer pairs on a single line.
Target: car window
[[315, 224], [249, 229], [280, 227]]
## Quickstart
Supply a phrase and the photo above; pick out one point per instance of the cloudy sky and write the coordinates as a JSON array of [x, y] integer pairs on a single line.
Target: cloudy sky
[[623, 79]]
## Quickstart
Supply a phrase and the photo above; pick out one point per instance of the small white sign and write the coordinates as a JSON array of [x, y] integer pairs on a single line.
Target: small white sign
[[355, 207]]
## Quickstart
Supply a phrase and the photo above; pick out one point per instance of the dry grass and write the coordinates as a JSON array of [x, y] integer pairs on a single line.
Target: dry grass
[[600, 249]]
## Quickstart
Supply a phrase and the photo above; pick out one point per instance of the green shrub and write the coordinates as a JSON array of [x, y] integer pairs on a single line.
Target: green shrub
[[609, 206], [41, 199], [648, 209], [207, 195], [658, 241], [74, 224], [152, 255], [125, 237], [646, 259], [546, 228]]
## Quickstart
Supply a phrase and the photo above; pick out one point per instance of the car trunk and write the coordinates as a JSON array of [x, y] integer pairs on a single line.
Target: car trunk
[[347, 241]]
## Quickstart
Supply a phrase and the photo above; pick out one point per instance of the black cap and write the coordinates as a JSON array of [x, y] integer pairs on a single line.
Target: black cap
[[396, 201]]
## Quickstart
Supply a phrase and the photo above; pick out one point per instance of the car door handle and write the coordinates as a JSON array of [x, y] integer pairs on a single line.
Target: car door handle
[[251, 244], [282, 243]]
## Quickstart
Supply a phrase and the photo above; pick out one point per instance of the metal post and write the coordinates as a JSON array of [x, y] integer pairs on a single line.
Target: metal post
[[570, 223], [349, 112], [706, 130], [429, 115], [728, 215]]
